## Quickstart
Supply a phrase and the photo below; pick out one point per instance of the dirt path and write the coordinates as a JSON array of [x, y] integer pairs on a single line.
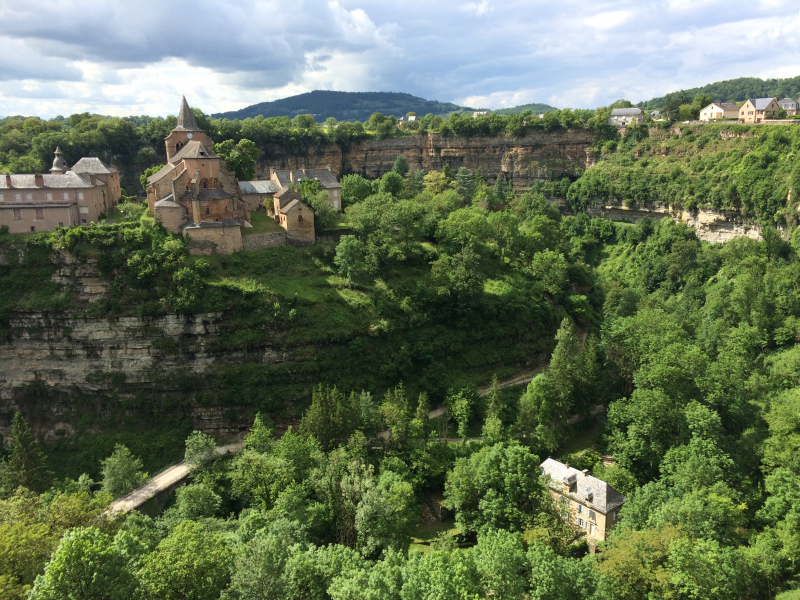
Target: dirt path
[[161, 482]]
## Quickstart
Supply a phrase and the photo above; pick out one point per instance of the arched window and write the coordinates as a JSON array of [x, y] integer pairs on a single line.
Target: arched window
[[178, 146], [205, 184], [299, 218], [206, 211]]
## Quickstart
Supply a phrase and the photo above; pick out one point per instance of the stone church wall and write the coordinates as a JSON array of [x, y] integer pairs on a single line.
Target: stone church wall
[[214, 240], [264, 240]]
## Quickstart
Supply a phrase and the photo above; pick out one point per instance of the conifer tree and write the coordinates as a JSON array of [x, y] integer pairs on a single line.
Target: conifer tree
[[492, 431], [26, 466], [465, 184]]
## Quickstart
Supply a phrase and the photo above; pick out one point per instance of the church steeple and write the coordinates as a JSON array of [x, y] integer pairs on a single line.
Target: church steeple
[[186, 120], [59, 164]]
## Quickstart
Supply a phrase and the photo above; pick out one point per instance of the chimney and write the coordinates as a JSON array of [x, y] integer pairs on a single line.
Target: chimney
[[585, 472], [8, 180], [39, 179], [92, 179]]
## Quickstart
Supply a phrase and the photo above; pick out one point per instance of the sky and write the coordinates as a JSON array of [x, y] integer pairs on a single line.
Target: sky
[[133, 58]]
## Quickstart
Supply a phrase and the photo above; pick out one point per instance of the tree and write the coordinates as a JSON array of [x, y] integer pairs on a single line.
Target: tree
[[401, 165], [332, 416], [436, 182], [88, 565], [380, 581], [551, 269], [122, 472], [501, 190], [554, 577], [354, 189], [498, 487], [458, 275], [441, 574], [200, 449], [460, 408], [386, 516], [391, 183], [196, 501], [492, 431], [27, 464], [259, 438], [239, 158], [396, 412], [324, 213], [147, 173], [189, 563], [350, 258], [502, 564], [465, 184]]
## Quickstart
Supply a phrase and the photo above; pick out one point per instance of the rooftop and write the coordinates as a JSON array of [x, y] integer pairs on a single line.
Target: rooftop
[[761, 103], [92, 165], [266, 186], [161, 173], [186, 120], [626, 112], [324, 176], [226, 222], [70, 179], [168, 202], [604, 498], [193, 149], [206, 194]]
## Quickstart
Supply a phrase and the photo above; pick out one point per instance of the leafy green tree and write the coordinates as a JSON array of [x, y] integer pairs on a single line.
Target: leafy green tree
[[122, 472], [240, 158], [554, 577], [26, 465], [324, 213], [196, 501], [381, 581], [442, 574], [190, 562], [309, 573], [200, 449], [458, 275], [551, 269], [496, 488], [386, 515], [436, 182], [418, 178], [354, 189], [465, 184], [460, 405], [501, 190], [401, 165], [260, 438], [391, 183], [704, 569], [350, 258], [397, 413], [86, 564], [419, 426], [147, 173], [502, 564], [332, 416]]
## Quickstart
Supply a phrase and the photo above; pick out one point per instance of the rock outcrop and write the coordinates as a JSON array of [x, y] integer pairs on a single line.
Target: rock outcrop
[[536, 156]]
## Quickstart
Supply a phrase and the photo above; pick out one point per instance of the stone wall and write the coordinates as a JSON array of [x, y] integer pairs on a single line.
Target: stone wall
[[525, 159], [263, 240], [214, 240]]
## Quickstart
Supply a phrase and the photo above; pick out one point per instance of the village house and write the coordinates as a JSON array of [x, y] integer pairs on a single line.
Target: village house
[[756, 110], [719, 110], [195, 194], [622, 117], [257, 195], [61, 198], [291, 213], [329, 183], [108, 175], [588, 502], [789, 105]]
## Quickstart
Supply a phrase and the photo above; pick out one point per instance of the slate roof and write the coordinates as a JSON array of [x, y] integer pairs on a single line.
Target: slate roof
[[787, 103], [626, 112], [290, 206], [604, 497], [59, 164], [166, 169], [226, 222], [728, 106], [186, 120], [69, 179], [324, 176], [761, 103], [193, 149], [259, 187], [92, 165], [206, 194], [168, 202], [285, 191]]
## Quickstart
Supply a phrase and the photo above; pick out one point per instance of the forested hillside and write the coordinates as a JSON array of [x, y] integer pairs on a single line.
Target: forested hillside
[[737, 90], [536, 108], [344, 106]]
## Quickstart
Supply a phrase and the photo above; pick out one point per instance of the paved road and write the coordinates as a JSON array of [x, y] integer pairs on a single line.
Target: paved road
[[161, 482]]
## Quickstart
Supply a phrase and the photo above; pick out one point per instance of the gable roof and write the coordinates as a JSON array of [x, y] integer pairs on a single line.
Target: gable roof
[[69, 179], [186, 120], [728, 106], [604, 497], [168, 168], [626, 112], [324, 176], [787, 103], [93, 165], [259, 187], [193, 149], [291, 206], [206, 194], [168, 202], [761, 103]]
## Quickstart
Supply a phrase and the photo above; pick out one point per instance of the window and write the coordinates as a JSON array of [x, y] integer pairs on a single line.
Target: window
[[61, 223], [579, 509], [29, 196], [299, 218], [336, 204], [592, 516], [84, 210], [83, 221], [17, 197], [65, 195], [207, 211], [40, 213], [335, 193], [2, 198], [17, 214], [33, 228], [49, 196], [580, 522], [80, 195], [592, 528]]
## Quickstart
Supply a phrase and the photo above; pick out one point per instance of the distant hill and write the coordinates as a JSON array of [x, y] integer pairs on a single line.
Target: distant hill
[[737, 90], [344, 106], [536, 108]]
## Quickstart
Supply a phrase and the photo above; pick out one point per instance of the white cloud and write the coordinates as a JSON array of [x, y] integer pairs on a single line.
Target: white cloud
[[607, 20], [477, 8]]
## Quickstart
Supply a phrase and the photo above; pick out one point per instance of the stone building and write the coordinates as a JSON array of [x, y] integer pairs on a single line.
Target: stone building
[[103, 172], [756, 110], [622, 117], [298, 221], [61, 198], [195, 188], [719, 110], [258, 195], [326, 178], [586, 501]]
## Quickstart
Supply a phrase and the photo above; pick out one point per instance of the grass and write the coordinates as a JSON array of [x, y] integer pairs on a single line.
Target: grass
[[428, 532], [790, 595], [262, 223], [586, 439]]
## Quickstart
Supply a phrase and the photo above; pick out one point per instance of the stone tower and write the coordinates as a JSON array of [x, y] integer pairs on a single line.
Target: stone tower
[[59, 164], [185, 131]]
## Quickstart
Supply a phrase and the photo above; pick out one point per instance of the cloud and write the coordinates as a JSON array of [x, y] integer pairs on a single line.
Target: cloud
[[123, 58]]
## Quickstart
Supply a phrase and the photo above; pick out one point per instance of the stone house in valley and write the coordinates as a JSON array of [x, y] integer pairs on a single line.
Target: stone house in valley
[[719, 110], [622, 117], [257, 195], [756, 110], [588, 502], [326, 178], [291, 213], [108, 175], [790, 106], [61, 198], [195, 189]]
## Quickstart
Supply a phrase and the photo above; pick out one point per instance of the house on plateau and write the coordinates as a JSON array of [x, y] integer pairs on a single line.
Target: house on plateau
[[622, 117], [326, 178], [789, 105], [756, 110], [108, 175], [61, 198], [257, 195], [719, 110], [291, 213], [194, 194], [590, 503]]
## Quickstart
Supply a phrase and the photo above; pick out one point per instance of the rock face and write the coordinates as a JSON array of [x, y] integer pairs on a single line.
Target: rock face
[[65, 357], [536, 156], [710, 225]]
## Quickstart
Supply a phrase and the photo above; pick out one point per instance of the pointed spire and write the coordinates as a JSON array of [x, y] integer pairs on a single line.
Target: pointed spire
[[186, 120], [59, 164]]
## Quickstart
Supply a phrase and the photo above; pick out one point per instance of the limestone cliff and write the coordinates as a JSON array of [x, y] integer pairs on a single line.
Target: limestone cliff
[[536, 156]]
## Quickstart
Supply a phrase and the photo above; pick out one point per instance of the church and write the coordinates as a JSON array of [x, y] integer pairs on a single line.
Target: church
[[194, 194]]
